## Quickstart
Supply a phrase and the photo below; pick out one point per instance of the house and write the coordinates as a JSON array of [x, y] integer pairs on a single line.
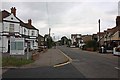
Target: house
[[111, 37], [76, 39], [10, 29], [86, 38], [32, 35], [94, 37], [40, 40], [100, 38], [17, 35]]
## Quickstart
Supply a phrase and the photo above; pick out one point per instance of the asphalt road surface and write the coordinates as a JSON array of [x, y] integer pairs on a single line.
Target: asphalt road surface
[[93, 65], [84, 65]]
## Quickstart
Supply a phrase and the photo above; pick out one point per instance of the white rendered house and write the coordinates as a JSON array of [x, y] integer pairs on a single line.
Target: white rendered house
[[13, 29]]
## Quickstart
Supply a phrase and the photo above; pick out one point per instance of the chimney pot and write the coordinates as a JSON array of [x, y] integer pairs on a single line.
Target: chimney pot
[[118, 21], [29, 21], [13, 10]]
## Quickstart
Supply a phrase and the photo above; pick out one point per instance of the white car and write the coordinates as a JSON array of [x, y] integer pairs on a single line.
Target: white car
[[116, 50]]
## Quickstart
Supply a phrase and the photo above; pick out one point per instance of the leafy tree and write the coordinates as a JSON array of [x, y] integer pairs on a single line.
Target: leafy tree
[[49, 42], [64, 40]]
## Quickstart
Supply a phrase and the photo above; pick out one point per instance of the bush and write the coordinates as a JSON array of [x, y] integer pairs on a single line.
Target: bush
[[91, 44]]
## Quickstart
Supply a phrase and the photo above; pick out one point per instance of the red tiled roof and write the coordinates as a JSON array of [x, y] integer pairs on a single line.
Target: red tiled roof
[[4, 14]]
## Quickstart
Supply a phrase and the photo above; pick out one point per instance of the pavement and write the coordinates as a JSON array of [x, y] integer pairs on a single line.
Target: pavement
[[51, 57]]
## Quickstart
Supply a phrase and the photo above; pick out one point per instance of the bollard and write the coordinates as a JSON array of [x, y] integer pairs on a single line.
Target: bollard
[[102, 49]]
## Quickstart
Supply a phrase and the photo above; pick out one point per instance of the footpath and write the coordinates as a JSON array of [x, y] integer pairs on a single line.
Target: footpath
[[51, 57]]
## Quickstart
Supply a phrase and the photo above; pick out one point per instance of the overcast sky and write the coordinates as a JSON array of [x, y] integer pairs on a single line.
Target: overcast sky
[[66, 17]]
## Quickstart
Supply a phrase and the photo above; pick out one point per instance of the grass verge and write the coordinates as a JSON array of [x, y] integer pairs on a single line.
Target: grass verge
[[16, 62]]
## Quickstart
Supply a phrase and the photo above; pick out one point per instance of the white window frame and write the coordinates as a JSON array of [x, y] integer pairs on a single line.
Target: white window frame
[[11, 28]]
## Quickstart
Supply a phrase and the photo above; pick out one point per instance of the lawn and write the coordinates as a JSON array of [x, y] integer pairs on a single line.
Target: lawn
[[16, 62]]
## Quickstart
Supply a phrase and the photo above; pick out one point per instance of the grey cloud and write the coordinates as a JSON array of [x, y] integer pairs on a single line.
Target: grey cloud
[[58, 15]]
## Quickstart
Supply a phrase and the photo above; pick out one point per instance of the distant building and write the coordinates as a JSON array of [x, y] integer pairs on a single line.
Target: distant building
[[40, 40], [76, 39], [94, 37], [86, 38]]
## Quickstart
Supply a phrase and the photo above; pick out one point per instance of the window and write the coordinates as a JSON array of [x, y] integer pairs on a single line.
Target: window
[[16, 45], [12, 18], [33, 43], [11, 28], [24, 31], [32, 33]]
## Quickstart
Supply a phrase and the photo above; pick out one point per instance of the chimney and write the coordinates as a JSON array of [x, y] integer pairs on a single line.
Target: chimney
[[29, 21], [13, 10], [118, 21]]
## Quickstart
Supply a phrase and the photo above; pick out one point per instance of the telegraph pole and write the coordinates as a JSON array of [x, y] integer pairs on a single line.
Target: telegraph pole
[[49, 31]]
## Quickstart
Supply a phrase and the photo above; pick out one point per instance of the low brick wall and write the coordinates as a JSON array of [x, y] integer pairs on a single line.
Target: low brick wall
[[35, 56], [89, 49]]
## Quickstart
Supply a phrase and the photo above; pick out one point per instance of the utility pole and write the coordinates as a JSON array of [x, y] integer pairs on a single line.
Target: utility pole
[[49, 31], [49, 40], [99, 32]]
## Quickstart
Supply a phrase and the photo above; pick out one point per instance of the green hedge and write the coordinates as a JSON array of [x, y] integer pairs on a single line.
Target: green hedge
[[91, 44]]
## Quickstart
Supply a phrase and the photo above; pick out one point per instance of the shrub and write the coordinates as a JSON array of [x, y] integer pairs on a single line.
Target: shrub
[[91, 44]]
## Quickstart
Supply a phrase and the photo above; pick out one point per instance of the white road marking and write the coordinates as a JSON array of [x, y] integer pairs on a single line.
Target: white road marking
[[66, 56], [62, 64], [117, 68]]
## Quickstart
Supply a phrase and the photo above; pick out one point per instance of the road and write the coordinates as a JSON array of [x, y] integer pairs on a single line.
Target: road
[[93, 65], [84, 65]]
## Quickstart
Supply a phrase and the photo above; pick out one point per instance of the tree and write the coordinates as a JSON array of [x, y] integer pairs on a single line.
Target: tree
[[64, 40], [49, 42]]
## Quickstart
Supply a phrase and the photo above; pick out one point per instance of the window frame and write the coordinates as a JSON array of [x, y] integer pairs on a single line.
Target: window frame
[[32, 33], [11, 28]]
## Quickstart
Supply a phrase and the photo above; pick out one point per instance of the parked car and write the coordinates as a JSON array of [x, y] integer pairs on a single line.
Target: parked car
[[116, 50]]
